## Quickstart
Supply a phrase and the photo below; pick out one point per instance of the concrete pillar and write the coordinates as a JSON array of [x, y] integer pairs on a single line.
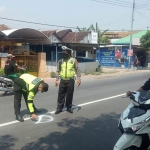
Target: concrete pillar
[[42, 71], [86, 54], [2, 62]]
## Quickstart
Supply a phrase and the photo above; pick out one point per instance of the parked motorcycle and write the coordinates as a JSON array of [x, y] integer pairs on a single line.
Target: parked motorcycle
[[7, 83], [134, 123]]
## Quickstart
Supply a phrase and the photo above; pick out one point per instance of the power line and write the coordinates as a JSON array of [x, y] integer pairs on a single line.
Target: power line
[[36, 23], [125, 4], [112, 3], [116, 21], [143, 15]]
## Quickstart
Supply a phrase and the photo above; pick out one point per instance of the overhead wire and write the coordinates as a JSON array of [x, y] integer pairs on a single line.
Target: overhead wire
[[36, 23], [112, 3], [125, 4], [120, 3]]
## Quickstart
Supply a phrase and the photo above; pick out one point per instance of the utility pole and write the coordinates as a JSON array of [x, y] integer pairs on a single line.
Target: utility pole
[[131, 28], [132, 24]]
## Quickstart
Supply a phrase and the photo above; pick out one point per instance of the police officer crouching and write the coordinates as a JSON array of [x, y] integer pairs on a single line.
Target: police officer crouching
[[28, 86], [67, 68]]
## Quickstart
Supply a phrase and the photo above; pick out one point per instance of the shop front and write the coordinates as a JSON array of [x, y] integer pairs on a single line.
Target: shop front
[[113, 56], [17, 43]]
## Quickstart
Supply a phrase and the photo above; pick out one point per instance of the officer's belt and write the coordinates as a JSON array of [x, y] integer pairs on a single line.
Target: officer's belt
[[67, 78]]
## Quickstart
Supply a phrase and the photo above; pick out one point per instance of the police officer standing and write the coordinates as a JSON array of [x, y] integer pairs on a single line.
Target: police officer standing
[[28, 86], [67, 68]]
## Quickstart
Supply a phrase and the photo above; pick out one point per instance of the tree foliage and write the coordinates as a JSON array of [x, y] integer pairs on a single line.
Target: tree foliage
[[101, 37], [145, 40]]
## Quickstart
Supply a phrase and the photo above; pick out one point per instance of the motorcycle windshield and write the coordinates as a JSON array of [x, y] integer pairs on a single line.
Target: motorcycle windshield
[[144, 96], [135, 112]]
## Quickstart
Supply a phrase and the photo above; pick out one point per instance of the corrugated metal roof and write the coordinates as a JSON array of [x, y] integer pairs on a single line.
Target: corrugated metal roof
[[2, 35], [27, 35], [126, 40]]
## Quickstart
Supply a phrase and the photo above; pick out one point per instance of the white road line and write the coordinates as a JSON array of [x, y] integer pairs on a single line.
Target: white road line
[[52, 112]]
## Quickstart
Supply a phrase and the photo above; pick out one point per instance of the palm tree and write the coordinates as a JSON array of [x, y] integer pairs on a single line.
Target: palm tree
[[100, 34], [84, 29]]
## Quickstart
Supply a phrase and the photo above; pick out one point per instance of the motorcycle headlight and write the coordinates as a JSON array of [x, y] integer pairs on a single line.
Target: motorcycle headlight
[[136, 127]]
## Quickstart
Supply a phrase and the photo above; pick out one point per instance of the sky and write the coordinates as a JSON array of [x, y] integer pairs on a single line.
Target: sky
[[68, 14]]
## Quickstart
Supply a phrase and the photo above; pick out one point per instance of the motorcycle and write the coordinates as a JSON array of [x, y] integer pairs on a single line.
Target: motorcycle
[[134, 123], [7, 83]]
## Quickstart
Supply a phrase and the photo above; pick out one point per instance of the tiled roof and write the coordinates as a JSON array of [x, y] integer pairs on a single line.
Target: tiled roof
[[126, 40], [74, 37], [67, 36], [62, 33], [49, 32], [4, 27], [114, 35]]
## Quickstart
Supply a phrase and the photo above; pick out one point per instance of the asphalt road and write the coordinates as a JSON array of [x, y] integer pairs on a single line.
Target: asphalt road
[[92, 126]]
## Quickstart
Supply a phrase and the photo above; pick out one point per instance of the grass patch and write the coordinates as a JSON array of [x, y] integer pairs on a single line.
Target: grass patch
[[53, 74], [1, 71], [110, 72], [93, 73]]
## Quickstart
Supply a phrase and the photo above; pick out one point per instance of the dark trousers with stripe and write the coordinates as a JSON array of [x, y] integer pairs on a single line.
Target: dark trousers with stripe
[[17, 98], [65, 93]]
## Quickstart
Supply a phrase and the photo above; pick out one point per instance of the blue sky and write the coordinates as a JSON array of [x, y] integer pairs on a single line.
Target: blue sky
[[109, 14]]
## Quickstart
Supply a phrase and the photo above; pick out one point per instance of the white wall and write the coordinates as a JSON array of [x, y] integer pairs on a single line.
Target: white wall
[[53, 39], [84, 67], [88, 66], [51, 66]]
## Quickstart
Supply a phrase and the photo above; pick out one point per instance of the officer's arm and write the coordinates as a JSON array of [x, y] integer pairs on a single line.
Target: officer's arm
[[30, 98], [146, 85], [58, 70], [78, 72]]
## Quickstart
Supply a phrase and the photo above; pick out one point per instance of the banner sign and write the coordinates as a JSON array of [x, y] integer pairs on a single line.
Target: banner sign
[[130, 52], [107, 57]]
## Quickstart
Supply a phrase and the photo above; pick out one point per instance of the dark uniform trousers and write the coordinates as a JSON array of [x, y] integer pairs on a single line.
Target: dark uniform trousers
[[17, 98], [66, 89]]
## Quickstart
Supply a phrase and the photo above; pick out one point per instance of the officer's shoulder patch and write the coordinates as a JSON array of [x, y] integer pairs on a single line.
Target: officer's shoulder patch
[[36, 80]]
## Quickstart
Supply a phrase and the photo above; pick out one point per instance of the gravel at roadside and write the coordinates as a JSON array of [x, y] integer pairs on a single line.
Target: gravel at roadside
[[106, 72], [110, 72]]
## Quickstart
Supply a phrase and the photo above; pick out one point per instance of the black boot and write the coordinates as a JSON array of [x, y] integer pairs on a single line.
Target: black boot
[[19, 118], [58, 111], [69, 110]]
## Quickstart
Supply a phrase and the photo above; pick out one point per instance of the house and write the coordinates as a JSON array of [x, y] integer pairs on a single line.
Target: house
[[116, 35], [107, 55], [82, 43]]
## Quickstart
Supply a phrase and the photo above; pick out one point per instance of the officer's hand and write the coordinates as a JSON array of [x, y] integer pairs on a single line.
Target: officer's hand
[[128, 93], [78, 82], [56, 83], [34, 116]]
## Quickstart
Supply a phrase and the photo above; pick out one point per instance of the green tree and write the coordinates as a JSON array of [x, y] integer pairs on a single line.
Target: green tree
[[145, 40], [104, 40]]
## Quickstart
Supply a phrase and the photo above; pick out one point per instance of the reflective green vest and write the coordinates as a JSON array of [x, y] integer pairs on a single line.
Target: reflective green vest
[[31, 82], [68, 68]]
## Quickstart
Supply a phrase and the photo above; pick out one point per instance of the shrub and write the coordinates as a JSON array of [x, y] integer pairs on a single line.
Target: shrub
[[1, 71], [99, 69], [53, 75]]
